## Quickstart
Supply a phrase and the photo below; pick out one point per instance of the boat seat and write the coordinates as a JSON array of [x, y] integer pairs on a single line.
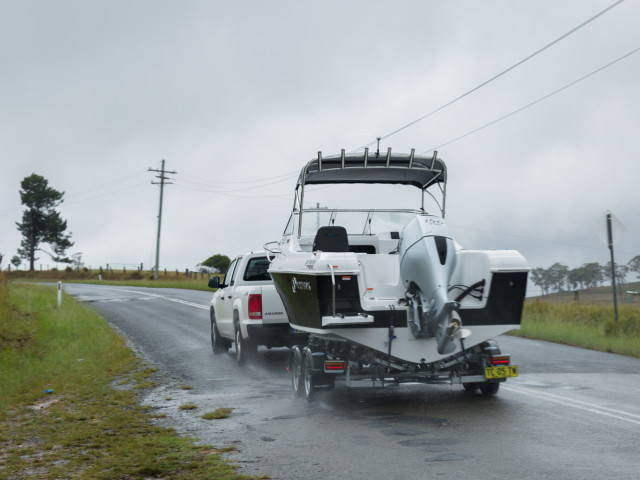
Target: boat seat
[[331, 239]]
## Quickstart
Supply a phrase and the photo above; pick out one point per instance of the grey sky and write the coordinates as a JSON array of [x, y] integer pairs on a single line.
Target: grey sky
[[238, 95]]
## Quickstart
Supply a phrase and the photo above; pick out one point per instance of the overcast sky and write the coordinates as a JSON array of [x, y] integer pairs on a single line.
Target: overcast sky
[[237, 96]]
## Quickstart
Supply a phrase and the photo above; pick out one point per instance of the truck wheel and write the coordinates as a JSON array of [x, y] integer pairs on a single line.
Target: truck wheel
[[309, 381], [489, 388], [218, 344], [295, 365], [244, 348]]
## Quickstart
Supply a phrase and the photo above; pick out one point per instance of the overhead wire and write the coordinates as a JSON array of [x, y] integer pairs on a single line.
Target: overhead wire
[[568, 85], [495, 77], [75, 197], [115, 181]]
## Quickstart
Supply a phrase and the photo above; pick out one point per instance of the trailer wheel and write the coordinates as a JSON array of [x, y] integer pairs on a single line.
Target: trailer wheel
[[471, 386], [295, 365], [489, 388], [309, 381]]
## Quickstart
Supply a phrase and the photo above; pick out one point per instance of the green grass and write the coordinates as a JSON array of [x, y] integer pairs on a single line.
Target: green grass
[[217, 414], [583, 325], [91, 425]]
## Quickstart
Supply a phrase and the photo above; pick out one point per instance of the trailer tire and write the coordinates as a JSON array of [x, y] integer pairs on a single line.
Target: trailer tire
[[296, 367], [308, 377], [471, 386], [489, 388]]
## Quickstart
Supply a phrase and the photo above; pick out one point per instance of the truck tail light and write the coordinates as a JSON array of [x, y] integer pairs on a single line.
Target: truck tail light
[[255, 307]]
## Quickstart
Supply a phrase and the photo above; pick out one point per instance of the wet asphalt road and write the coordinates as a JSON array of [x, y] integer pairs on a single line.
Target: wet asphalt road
[[572, 413]]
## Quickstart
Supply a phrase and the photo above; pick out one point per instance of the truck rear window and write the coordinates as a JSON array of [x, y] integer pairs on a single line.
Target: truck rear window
[[257, 269]]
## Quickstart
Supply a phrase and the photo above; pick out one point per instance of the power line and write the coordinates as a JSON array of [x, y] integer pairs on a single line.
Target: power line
[[495, 77], [204, 187], [109, 183], [213, 182], [493, 122]]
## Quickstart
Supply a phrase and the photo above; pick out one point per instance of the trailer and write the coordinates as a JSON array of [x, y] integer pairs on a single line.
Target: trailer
[[323, 365]]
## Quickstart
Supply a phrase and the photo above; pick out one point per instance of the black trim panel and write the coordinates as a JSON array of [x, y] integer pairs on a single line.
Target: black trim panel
[[312, 299], [504, 304]]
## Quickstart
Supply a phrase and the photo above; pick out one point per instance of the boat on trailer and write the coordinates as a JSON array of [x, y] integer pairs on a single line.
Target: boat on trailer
[[387, 296]]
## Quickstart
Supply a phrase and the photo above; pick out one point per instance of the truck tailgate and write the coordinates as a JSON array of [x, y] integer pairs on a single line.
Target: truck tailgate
[[272, 307]]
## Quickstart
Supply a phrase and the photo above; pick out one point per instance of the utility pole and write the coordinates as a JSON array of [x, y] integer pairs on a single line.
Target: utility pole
[[613, 265], [163, 181]]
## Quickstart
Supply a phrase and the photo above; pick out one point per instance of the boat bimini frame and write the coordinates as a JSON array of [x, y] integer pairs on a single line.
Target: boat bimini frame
[[403, 169]]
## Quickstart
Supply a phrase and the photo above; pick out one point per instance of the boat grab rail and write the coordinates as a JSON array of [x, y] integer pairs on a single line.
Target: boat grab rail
[[272, 249], [333, 290]]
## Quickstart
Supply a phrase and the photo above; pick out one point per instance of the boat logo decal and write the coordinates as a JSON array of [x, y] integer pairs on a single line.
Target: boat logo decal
[[297, 285]]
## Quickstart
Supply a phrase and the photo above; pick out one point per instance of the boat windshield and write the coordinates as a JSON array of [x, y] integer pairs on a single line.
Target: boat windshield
[[356, 222]]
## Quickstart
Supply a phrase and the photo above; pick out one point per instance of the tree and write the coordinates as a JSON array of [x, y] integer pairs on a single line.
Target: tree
[[218, 262], [577, 278], [540, 277], [16, 261], [634, 265], [558, 275], [41, 223], [593, 274]]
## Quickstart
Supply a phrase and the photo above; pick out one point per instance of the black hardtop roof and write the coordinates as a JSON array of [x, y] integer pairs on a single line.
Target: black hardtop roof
[[397, 168]]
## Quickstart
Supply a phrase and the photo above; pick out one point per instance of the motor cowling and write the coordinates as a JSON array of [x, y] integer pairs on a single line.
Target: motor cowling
[[427, 260]]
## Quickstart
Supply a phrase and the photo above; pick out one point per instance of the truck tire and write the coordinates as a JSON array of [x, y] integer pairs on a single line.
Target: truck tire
[[218, 344], [244, 347]]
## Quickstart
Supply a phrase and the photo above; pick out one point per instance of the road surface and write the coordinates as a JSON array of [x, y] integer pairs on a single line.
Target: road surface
[[572, 413]]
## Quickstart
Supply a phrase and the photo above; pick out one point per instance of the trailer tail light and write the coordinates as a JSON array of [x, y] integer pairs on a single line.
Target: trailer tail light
[[255, 307], [334, 366], [500, 360]]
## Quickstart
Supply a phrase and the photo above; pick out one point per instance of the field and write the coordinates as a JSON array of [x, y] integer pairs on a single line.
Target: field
[[586, 320], [170, 279], [69, 405]]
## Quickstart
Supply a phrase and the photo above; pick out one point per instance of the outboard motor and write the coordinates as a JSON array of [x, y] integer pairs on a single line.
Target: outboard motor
[[427, 260]]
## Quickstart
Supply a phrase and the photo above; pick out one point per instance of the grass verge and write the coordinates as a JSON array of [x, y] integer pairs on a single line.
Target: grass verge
[[196, 281], [61, 415], [583, 325]]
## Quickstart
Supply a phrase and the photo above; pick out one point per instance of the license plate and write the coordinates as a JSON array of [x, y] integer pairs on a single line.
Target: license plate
[[501, 372]]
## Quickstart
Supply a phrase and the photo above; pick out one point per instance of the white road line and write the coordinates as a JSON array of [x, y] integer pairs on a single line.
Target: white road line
[[578, 404], [176, 300]]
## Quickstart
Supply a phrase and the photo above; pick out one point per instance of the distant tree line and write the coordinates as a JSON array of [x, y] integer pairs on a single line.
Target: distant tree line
[[559, 277]]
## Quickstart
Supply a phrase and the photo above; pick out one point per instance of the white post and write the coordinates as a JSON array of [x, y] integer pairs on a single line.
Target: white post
[[59, 294]]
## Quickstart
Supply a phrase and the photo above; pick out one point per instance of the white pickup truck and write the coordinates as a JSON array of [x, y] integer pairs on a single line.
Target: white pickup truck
[[247, 310]]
